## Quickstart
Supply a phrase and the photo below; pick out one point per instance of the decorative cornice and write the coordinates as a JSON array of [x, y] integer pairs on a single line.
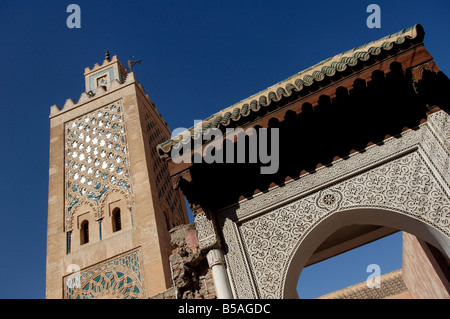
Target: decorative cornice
[[298, 82]]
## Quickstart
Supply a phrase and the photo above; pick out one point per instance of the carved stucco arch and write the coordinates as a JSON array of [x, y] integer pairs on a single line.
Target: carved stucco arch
[[115, 198], [111, 195], [81, 207], [361, 216], [404, 183], [98, 209]]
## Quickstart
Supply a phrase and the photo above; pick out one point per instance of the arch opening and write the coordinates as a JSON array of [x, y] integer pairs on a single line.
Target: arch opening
[[368, 216], [344, 275]]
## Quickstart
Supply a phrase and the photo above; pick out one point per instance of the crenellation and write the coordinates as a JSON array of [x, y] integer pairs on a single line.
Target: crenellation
[[114, 84], [54, 109], [69, 104], [130, 78], [98, 66], [86, 97]]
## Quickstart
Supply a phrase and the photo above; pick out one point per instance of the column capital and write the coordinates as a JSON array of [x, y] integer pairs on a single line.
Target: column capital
[[215, 257]]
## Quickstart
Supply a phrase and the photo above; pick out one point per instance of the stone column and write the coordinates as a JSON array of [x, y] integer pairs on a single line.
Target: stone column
[[216, 262], [208, 240]]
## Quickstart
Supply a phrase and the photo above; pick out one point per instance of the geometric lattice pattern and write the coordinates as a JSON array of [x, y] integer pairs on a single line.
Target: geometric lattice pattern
[[96, 156], [119, 278], [403, 185], [168, 197]]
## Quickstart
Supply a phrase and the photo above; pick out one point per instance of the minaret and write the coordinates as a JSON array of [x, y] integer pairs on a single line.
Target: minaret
[[111, 203]]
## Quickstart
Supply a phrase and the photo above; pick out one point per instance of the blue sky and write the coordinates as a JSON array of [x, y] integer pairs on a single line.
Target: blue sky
[[198, 57]]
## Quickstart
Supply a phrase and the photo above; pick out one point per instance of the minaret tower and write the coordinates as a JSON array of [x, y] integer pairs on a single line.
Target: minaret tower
[[110, 200]]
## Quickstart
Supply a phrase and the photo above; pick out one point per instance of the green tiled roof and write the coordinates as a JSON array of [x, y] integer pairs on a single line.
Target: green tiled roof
[[299, 81]]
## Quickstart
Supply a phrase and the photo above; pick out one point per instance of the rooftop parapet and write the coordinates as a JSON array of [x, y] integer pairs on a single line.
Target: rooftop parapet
[[93, 94]]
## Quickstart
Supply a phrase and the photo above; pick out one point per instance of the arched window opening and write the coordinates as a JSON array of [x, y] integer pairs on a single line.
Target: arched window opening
[[116, 220], [84, 232]]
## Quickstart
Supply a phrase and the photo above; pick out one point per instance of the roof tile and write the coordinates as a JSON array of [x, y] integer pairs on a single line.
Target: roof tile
[[297, 82]]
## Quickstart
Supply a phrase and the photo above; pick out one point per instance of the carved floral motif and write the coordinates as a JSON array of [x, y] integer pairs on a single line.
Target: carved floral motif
[[403, 185], [409, 175], [206, 231]]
